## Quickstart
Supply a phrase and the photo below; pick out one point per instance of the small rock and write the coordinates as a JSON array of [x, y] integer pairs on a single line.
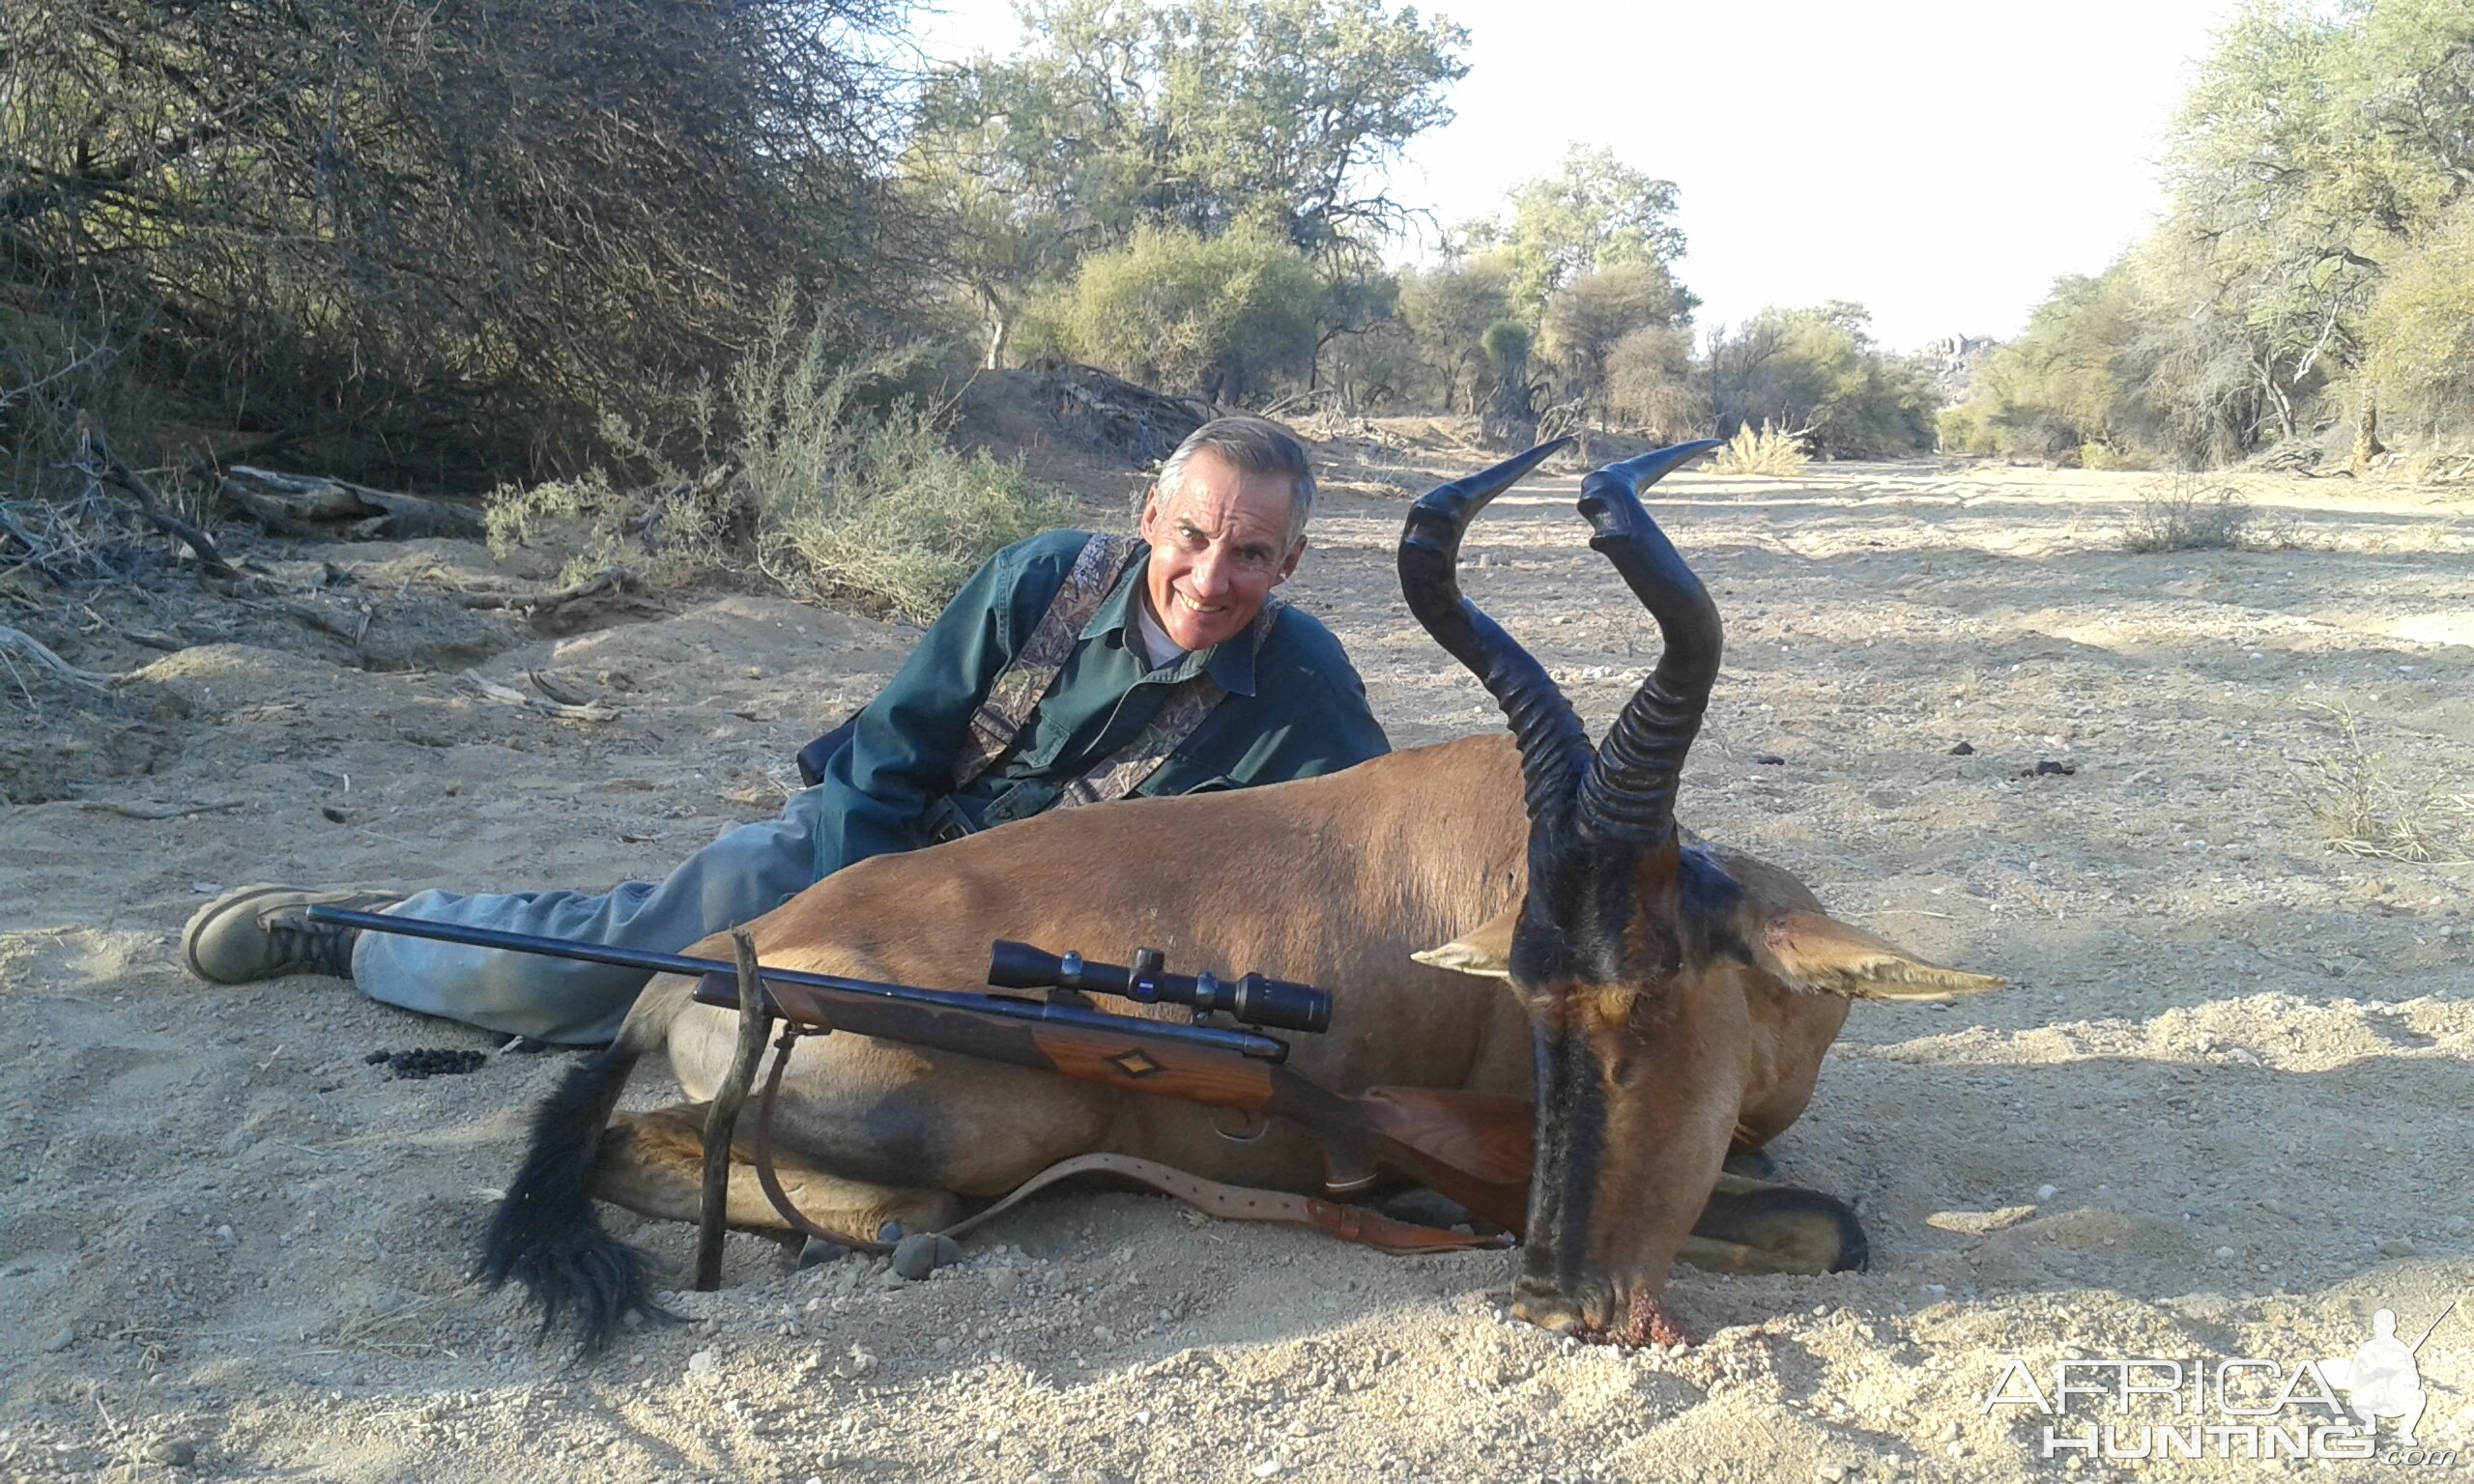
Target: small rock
[[1770, 759], [59, 1342], [2046, 1192], [2046, 767], [1266, 1469], [1831, 1473], [1964, 750], [2225, 1254], [2397, 1246], [175, 1452], [702, 1363]]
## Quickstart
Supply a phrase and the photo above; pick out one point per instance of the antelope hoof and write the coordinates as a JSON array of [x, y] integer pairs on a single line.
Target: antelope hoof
[[1601, 1319], [1758, 1228]]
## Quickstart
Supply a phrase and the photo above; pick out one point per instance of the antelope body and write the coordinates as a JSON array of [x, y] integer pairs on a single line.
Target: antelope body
[[1667, 1001]]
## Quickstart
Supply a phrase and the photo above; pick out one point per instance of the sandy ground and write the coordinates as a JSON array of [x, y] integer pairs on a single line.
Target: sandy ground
[[2221, 1113]]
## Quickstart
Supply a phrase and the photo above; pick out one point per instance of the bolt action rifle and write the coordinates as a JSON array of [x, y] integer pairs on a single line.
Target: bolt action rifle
[[1472, 1148]]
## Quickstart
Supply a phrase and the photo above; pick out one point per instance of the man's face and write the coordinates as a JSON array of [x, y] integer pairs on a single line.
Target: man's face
[[1218, 546]]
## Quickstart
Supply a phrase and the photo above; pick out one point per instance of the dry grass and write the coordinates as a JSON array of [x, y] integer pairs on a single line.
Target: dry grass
[[2363, 812], [2187, 516], [817, 487], [1766, 452]]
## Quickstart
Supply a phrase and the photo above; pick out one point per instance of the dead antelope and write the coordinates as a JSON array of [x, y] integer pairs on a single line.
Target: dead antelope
[[1668, 1000]]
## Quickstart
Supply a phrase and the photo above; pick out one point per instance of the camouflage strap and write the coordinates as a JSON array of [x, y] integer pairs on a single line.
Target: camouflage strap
[[1015, 695], [1178, 717], [1016, 692]]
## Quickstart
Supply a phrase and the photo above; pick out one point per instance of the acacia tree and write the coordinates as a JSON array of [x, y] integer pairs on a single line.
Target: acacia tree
[[1586, 318], [1447, 309], [1593, 215], [2316, 148], [444, 235], [1120, 116]]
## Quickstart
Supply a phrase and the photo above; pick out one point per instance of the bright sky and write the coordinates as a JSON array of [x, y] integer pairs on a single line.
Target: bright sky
[[1939, 161]]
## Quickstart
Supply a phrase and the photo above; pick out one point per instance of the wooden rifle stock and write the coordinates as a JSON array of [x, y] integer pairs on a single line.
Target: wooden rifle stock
[[1472, 1148]]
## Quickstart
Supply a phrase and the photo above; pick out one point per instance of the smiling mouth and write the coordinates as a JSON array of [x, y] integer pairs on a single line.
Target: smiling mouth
[[1191, 605]]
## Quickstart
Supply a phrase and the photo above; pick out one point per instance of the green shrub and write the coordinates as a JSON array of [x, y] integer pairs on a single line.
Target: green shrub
[[1223, 316], [1961, 430], [903, 519], [1506, 343]]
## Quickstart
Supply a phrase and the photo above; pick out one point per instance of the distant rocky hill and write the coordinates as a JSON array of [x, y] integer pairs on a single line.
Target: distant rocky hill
[[1952, 360]]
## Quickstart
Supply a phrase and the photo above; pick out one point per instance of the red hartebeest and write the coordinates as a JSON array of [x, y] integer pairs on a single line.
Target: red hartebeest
[[1668, 999]]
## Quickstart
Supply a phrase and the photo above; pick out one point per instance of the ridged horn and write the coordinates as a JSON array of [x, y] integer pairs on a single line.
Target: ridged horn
[[1554, 750], [1629, 792]]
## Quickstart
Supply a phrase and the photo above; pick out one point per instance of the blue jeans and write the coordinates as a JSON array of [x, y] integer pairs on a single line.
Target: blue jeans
[[747, 871]]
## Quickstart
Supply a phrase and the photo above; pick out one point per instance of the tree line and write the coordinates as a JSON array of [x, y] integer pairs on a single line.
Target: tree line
[[1193, 198], [467, 241], [2313, 282]]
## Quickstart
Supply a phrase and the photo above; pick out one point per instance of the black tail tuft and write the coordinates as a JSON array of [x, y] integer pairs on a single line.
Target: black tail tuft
[[546, 1235]]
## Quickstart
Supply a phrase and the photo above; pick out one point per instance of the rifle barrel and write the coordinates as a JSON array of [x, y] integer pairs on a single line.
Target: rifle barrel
[[1218, 1037]]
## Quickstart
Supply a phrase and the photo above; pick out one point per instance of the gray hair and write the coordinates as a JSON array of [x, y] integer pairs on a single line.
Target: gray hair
[[1254, 445]]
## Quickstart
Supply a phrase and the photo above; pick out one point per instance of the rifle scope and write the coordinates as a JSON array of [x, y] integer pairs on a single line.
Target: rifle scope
[[1252, 1000]]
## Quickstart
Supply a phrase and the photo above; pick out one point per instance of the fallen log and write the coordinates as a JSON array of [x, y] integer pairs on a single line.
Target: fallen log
[[313, 505]]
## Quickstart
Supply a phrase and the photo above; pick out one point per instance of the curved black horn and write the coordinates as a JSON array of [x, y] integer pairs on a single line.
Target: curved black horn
[[1554, 750], [1630, 791]]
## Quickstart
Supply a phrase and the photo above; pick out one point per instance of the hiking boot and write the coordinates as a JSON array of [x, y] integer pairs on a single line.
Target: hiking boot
[[265, 932]]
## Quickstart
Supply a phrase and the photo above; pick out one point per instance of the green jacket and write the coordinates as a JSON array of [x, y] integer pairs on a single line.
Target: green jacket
[[1295, 708]]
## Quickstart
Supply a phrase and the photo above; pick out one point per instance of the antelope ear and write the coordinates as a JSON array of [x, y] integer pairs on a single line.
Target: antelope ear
[[1819, 955], [1485, 951]]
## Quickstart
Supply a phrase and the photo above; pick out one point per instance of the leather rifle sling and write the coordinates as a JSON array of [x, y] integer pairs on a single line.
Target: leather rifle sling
[[1211, 1197]]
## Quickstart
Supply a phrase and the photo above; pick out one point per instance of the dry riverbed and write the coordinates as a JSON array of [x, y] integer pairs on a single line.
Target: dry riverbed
[[2221, 1112]]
